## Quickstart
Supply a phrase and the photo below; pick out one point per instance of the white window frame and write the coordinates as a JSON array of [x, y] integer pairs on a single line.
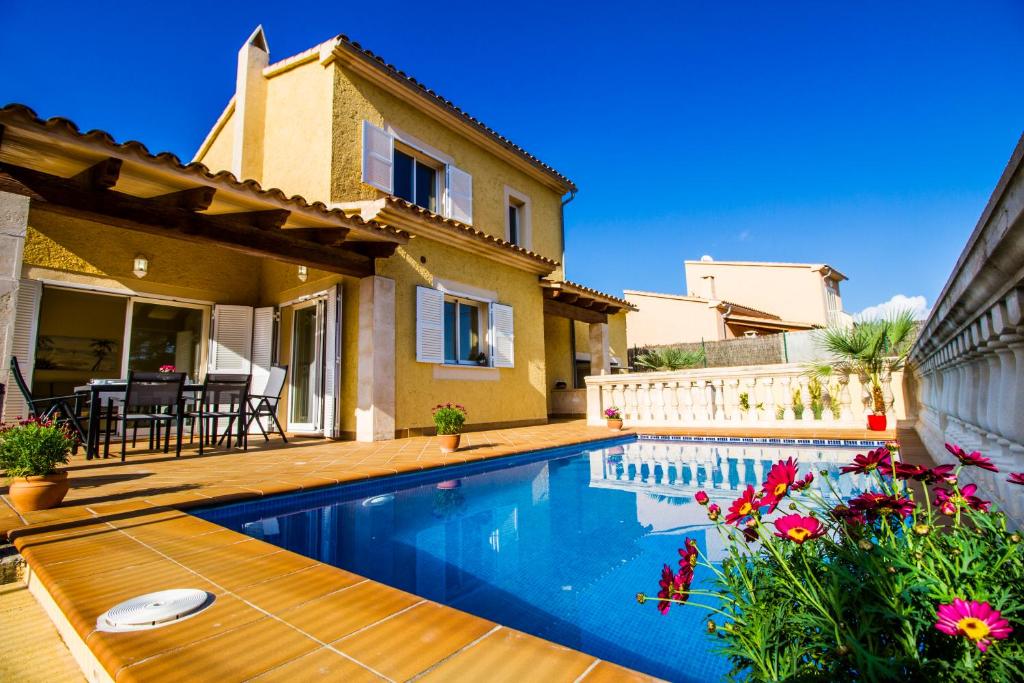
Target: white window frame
[[424, 159], [205, 340], [483, 329], [521, 200]]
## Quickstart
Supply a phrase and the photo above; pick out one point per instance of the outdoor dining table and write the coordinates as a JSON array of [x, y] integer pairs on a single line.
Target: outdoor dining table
[[116, 387]]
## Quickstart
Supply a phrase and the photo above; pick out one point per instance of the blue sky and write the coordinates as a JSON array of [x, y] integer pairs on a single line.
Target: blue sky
[[864, 134]]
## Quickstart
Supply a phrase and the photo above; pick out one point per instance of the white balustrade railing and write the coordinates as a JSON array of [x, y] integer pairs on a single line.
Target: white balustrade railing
[[757, 395]]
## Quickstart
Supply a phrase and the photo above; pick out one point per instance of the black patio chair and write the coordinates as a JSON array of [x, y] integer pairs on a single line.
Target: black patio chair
[[153, 398], [265, 404], [63, 410], [224, 396]]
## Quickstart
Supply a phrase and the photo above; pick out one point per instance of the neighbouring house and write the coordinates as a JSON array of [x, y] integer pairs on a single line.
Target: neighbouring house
[[411, 256], [730, 299]]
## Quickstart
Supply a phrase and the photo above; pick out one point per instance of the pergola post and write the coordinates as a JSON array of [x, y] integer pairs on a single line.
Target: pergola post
[[13, 226], [600, 356], [375, 405]]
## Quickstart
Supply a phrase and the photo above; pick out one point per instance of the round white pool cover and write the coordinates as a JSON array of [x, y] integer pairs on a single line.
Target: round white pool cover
[[154, 610]]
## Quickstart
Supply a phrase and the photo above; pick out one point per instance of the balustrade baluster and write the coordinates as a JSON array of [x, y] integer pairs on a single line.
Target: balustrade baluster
[[719, 389], [805, 398], [769, 399], [787, 399]]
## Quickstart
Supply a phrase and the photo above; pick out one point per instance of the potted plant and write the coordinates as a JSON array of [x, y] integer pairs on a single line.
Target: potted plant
[[614, 418], [870, 349], [448, 420], [30, 452]]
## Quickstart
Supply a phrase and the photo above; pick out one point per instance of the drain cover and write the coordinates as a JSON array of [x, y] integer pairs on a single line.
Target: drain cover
[[154, 610]]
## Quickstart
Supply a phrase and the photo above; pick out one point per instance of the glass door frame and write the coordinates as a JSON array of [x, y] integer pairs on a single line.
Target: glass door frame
[[204, 341], [317, 381]]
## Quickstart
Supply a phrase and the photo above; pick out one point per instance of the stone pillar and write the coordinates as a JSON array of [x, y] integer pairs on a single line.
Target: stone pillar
[[375, 409], [600, 357], [13, 225]]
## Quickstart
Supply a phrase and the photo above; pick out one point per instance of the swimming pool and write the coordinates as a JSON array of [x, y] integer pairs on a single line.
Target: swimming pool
[[555, 543]]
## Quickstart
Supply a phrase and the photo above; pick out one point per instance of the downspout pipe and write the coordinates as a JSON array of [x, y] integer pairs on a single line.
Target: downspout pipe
[[565, 200]]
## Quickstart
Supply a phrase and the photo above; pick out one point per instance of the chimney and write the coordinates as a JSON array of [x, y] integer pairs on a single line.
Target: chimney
[[708, 287], [250, 107]]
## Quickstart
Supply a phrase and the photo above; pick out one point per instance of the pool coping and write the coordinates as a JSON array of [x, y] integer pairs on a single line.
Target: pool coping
[[132, 542]]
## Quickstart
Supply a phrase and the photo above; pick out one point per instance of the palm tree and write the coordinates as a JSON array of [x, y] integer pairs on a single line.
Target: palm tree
[[670, 359], [872, 349]]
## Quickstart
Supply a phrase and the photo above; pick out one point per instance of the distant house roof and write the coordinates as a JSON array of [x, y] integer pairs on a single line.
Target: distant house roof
[[732, 311], [828, 270]]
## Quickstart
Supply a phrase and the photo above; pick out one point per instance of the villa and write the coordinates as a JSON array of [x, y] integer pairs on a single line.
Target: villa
[[349, 252]]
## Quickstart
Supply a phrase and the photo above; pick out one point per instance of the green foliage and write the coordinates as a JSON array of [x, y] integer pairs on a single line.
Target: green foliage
[[34, 448], [670, 358], [870, 349], [449, 418]]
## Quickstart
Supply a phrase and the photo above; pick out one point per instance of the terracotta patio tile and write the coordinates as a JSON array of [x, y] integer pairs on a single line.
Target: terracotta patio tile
[[510, 656], [340, 613], [223, 568], [324, 665], [414, 640], [232, 656], [606, 672], [281, 593]]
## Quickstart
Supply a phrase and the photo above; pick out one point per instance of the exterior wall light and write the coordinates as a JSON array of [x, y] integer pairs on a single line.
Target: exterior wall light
[[140, 266], [303, 273]]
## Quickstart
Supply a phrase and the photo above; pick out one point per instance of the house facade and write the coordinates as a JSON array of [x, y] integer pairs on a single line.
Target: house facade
[[731, 299], [411, 255]]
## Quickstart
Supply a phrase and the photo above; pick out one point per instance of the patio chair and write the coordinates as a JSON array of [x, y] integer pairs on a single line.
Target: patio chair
[[153, 398], [266, 403], [63, 410], [223, 397]]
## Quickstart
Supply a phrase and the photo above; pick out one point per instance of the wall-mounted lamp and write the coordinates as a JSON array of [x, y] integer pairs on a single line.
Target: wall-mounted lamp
[[303, 273], [140, 266]]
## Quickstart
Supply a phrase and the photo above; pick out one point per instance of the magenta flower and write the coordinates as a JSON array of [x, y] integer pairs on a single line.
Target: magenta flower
[[804, 483], [702, 497], [974, 620], [878, 459], [714, 511], [974, 459], [875, 505], [1016, 478], [948, 501], [798, 528], [688, 555], [780, 478], [744, 506]]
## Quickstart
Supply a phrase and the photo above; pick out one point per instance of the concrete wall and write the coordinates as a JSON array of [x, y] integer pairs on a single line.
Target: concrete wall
[[670, 319], [792, 292]]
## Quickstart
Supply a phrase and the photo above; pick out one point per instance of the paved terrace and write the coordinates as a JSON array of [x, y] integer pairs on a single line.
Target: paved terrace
[[122, 531]]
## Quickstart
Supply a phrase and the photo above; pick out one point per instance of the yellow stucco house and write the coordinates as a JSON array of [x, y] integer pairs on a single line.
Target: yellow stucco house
[[411, 256], [731, 299]]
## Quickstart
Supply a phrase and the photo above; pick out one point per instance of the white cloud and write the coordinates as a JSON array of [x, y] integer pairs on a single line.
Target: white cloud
[[899, 302], [743, 236]]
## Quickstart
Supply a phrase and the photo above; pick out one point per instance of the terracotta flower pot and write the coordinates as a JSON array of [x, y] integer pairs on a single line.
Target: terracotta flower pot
[[449, 442], [615, 425], [38, 493], [876, 423]]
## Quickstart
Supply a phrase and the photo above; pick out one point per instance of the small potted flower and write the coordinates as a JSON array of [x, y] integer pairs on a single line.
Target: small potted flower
[[167, 369], [614, 418], [448, 420], [30, 452]]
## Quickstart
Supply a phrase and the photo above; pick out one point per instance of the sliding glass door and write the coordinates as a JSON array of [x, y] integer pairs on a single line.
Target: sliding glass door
[[307, 362], [163, 333]]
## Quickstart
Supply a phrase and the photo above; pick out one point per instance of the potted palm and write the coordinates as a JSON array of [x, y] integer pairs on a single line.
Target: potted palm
[[872, 350], [613, 416], [448, 421], [30, 452]]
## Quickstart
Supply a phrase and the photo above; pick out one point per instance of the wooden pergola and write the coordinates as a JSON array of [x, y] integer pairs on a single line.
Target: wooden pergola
[[571, 300], [91, 176]]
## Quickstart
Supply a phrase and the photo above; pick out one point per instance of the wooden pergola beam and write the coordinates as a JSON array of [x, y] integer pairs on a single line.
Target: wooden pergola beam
[[271, 219], [192, 199], [238, 232], [102, 175], [562, 310]]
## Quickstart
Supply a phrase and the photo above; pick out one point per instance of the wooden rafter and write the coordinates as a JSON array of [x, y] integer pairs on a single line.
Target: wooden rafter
[[102, 175], [193, 199]]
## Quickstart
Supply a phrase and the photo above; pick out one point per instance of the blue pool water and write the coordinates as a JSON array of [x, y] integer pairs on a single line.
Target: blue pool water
[[555, 543]]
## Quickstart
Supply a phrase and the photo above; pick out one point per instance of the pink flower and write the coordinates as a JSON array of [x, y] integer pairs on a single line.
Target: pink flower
[[702, 497], [804, 483], [688, 555], [798, 528], [878, 459], [974, 459], [848, 515], [781, 476], [714, 511], [948, 501], [1016, 478], [743, 507], [974, 620], [875, 505]]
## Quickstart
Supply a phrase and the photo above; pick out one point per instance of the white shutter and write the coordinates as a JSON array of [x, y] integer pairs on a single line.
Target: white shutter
[[460, 195], [429, 325], [332, 362], [262, 347], [26, 324], [378, 157], [231, 345], [502, 336]]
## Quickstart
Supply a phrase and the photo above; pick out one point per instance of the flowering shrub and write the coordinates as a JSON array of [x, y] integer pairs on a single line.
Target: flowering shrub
[[449, 418], [612, 414], [34, 447], [915, 579]]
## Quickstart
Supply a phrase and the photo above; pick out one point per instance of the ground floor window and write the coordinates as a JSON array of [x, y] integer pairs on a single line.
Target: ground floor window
[[165, 334], [464, 331]]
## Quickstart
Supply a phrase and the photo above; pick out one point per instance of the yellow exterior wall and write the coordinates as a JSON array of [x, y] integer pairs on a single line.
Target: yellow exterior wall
[[558, 359], [218, 155], [617, 344], [356, 100], [519, 394]]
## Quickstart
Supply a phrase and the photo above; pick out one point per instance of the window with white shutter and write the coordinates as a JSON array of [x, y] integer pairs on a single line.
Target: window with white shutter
[[262, 347], [459, 199], [26, 323], [502, 336], [231, 343], [378, 157], [332, 362], [429, 325]]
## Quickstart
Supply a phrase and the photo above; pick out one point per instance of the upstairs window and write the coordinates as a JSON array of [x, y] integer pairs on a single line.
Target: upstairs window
[[415, 180], [517, 219], [514, 223]]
